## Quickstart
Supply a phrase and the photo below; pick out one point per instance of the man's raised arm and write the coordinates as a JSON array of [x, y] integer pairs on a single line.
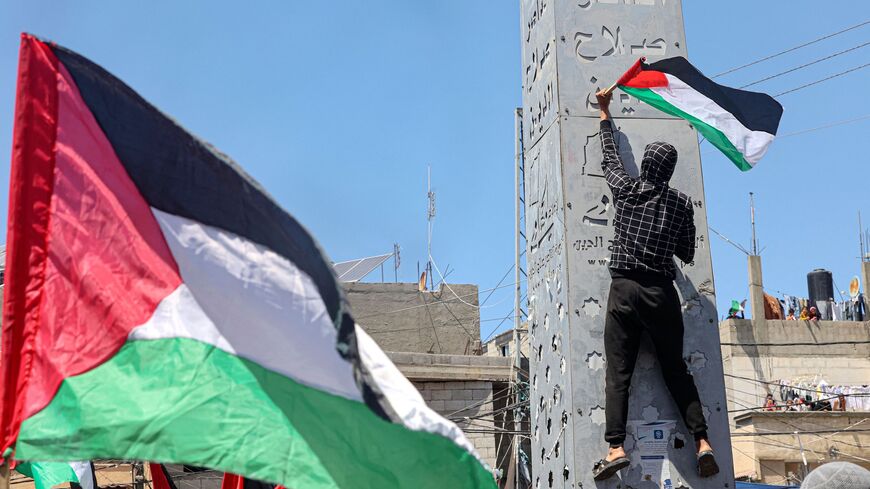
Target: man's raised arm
[[611, 164]]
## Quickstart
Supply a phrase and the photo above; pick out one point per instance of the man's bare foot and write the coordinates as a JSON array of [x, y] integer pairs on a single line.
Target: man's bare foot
[[703, 445], [614, 453]]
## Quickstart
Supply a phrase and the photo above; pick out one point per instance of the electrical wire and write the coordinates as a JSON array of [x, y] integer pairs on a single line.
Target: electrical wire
[[826, 126], [432, 303], [760, 60], [835, 75], [784, 478], [804, 131], [796, 68], [499, 283], [773, 433], [777, 384], [501, 395], [476, 306], [821, 343]]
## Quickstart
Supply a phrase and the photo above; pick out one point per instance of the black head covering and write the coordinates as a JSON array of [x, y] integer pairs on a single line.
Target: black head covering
[[659, 161]]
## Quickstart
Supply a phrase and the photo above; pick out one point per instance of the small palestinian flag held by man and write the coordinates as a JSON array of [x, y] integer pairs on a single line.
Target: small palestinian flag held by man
[[159, 305], [741, 124]]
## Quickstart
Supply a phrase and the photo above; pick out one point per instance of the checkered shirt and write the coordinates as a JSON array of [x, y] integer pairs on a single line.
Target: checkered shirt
[[653, 222]]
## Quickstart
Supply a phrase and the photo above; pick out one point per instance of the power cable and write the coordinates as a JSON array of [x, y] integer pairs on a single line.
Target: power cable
[[804, 131], [832, 124], [777, 384], [501, 395], [835, 75], [760, 60], [765, 408], [468, 333], [476, 306], [773, 433], [440, 301], [820, 343], [784, 478], [499, 283], [432, 322], [771, 77]]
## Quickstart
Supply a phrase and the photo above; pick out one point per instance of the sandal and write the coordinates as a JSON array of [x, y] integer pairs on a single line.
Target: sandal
[[707, 465], [603, 470]]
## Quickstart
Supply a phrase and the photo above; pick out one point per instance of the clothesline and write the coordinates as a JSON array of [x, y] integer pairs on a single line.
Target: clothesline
[[829, 310], [855, 397]]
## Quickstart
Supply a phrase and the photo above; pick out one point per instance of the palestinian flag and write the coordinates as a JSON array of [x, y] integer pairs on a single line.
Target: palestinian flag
[[233, 481], [159, 305], [741, 124], [46, 475], [160, 478]]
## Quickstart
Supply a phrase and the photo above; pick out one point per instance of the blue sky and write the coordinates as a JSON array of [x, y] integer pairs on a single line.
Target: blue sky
[[337, 108]]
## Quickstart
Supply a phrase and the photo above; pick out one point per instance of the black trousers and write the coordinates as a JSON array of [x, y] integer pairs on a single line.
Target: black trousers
[[646, 302]]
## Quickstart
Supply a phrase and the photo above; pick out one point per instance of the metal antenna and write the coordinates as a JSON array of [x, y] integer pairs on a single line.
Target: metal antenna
[[397, 260], [752, 219], [861, 237], [732, 243], [430, 216]]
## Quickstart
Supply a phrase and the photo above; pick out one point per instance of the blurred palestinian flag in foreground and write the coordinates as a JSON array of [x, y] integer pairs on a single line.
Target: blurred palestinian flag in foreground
[[46, 475], [741, 124], [159, 305]]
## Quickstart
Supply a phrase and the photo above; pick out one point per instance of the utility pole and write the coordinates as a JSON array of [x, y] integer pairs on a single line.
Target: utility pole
[[4, 475], [756, 284], [518, 134], [752, 220]]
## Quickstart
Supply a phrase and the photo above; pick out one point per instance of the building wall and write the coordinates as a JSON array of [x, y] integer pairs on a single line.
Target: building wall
[[774, 458], [471, 399], [755, 353], [503, 344], [401, 318]]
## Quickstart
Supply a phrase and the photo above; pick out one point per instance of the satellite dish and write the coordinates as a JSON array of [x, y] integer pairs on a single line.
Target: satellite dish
[[854, 286]]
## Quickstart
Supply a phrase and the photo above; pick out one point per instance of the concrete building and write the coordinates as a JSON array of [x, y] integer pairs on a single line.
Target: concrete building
[[401, 318], [433, 337], [758, 356], [502, 345]]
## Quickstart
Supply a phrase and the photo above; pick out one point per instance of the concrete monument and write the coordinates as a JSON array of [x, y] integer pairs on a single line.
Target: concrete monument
[[570, 49]]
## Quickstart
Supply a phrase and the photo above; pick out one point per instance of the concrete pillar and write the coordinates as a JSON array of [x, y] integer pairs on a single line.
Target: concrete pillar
[[570, 49], [756, 288]]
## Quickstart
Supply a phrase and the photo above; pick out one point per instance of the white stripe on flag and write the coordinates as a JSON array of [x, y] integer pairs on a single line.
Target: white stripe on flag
[[249, 301], [84, 473], [752, 144], [405, 400]]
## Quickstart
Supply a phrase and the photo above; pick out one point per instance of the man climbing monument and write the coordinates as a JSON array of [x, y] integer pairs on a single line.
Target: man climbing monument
[[653, 224]]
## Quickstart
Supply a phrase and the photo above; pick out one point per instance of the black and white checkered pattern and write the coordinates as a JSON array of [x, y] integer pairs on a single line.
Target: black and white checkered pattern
[[653, 222]]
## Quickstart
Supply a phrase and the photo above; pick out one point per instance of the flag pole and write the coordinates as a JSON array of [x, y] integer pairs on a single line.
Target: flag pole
[[4, 475], [633, 70]]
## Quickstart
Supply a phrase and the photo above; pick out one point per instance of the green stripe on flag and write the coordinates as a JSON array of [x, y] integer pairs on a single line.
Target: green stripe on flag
[[184, 401], [46, 475], [715, 136]]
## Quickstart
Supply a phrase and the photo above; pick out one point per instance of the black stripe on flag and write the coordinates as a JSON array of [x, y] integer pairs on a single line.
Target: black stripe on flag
[[756, 111], [179, 174]]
